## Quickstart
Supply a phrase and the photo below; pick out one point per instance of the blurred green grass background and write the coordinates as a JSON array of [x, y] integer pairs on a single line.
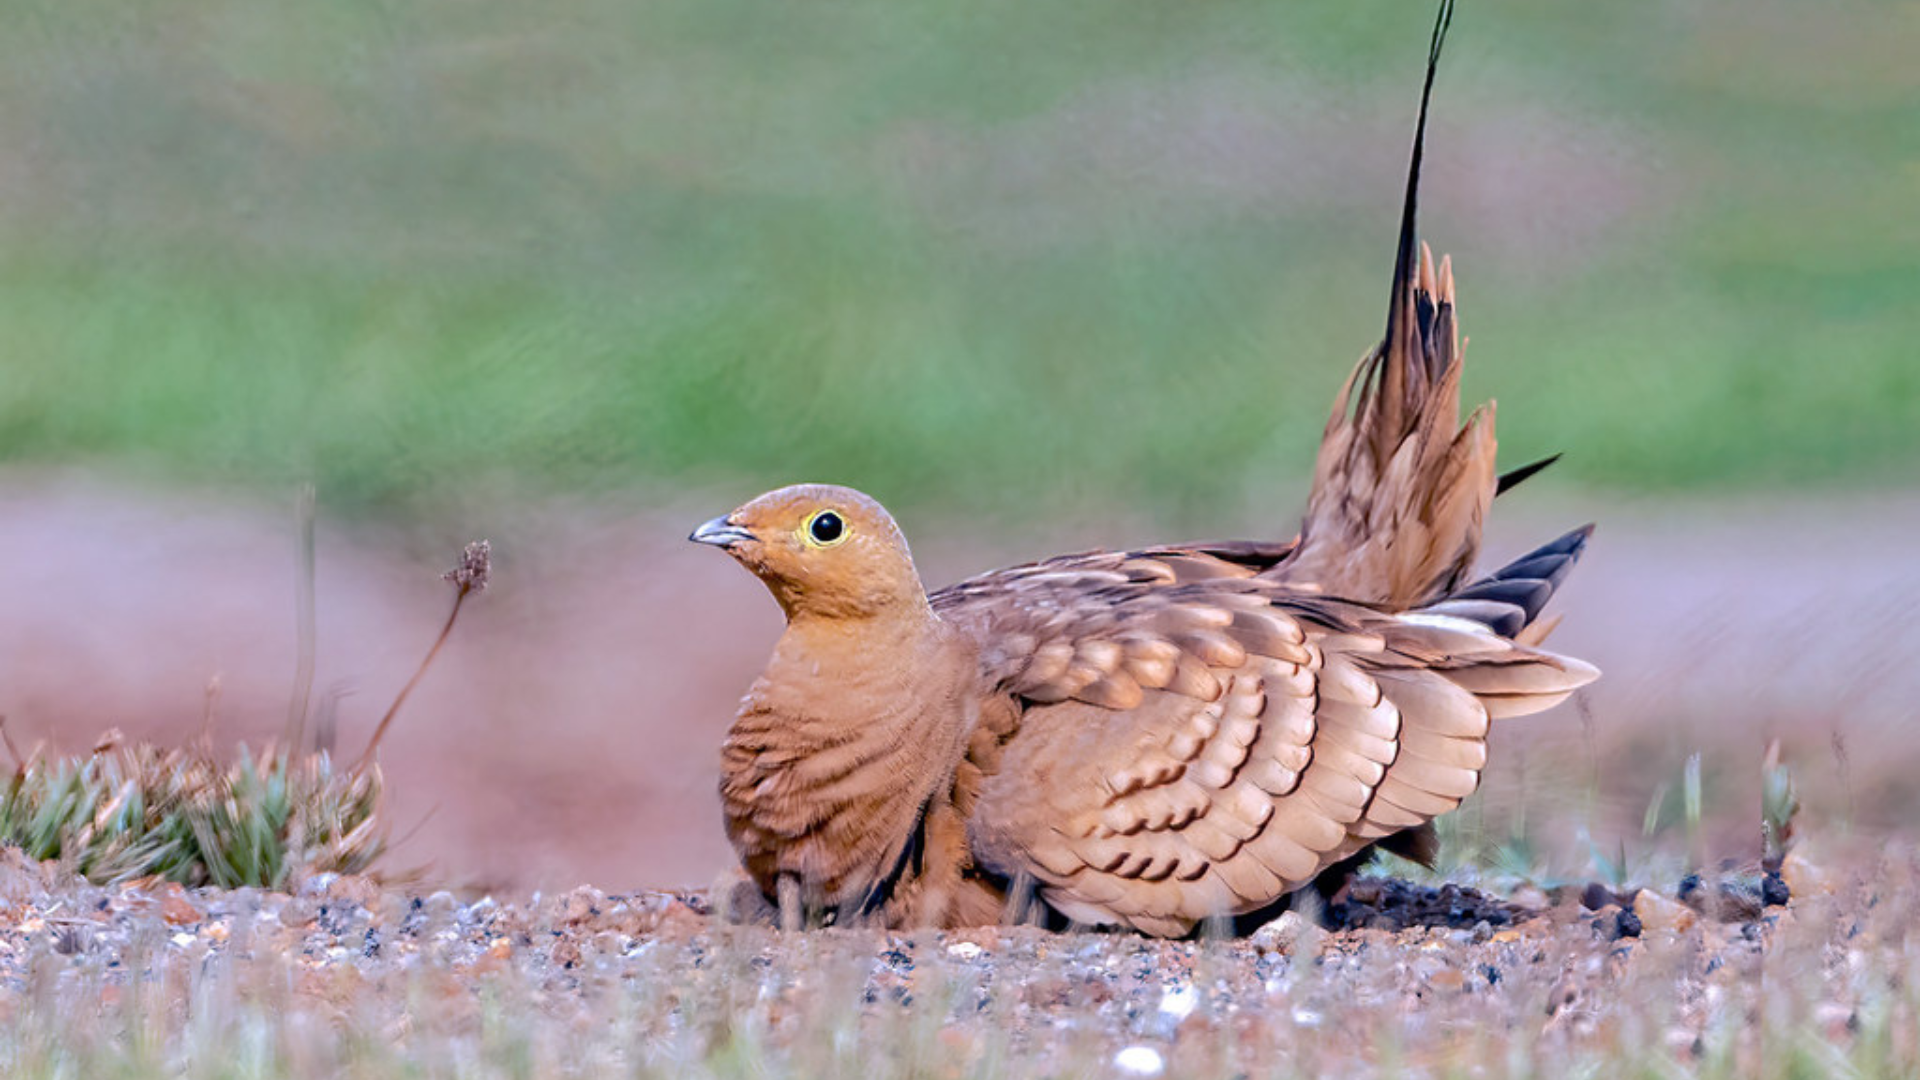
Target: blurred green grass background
[[985, 256]]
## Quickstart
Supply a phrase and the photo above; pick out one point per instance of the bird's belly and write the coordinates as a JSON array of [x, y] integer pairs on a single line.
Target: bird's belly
[[839, 833]]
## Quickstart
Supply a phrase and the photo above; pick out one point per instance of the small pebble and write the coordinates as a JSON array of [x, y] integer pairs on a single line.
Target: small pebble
[[1656, 912], [1802, 878], [317, 885], [1140, 1061], [1179, 1002], [1834, 1019], [1774, 891]]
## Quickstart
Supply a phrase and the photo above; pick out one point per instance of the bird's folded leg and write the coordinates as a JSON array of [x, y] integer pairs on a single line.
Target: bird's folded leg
[[941, 865], [793, 911], [1023, 907]]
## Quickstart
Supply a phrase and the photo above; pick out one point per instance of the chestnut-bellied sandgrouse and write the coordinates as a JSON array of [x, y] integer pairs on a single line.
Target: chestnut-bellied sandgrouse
[[1147, 738]]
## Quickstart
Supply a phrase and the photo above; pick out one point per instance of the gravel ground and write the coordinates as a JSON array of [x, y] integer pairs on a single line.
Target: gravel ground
[[1423, 980]]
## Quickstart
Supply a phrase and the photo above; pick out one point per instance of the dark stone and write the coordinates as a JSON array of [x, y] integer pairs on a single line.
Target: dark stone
[[1626, 925], [1773, 889], [1387, 904], [1689, 885]]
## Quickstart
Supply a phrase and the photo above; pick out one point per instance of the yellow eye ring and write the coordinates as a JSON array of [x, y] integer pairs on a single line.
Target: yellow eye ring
[[825, 529]]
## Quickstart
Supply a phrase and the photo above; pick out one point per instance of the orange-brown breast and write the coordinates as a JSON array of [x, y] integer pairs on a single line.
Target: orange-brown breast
[[837, 750]]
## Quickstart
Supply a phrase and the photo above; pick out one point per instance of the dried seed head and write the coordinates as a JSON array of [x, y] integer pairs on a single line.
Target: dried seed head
[[476, 565], [470, 577]]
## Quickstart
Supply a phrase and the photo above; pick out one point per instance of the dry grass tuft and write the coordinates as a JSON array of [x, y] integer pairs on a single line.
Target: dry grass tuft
[[127, 811], [134, 810]]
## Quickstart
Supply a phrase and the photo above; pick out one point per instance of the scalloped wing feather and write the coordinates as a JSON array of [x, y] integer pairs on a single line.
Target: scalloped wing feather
[[1181, 805]]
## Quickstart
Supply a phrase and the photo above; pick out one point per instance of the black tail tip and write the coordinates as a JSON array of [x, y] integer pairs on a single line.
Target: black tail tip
[[1512, 478], [1512, 597]]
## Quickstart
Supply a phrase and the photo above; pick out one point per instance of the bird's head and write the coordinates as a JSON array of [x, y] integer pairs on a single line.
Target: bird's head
[[823, 551]]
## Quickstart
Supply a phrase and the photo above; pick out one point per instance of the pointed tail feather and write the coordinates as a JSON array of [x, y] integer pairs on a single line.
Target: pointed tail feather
[[1510, 599], [1513, 677], [1411, 258], [1513, 478], [1398, 493]]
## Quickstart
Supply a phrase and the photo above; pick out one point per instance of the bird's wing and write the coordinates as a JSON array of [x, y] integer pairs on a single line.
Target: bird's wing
[[1026, 617], [1172, 737]]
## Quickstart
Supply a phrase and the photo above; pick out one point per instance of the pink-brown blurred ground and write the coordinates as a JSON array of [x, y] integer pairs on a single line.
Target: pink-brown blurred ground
[[569, 732]]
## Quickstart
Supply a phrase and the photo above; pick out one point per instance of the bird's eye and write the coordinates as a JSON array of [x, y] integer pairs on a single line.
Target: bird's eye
[[826, 529]]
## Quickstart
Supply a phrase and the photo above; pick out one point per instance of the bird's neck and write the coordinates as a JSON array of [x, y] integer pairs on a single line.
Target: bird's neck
[[879, 665], [830, 634], [885, 608]]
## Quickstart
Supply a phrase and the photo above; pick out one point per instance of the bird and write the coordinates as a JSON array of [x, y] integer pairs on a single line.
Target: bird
[[1155, 738]]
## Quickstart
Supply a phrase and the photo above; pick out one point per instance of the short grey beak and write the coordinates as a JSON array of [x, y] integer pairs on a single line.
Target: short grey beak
[[720, 533]]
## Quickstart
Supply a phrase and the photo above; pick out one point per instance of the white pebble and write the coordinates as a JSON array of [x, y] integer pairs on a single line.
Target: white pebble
[[1179, 1001], [318, 884], [964, 950], [1140, 1061]]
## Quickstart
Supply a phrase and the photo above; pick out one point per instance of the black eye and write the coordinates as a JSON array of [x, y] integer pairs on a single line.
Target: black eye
[[826, 527]]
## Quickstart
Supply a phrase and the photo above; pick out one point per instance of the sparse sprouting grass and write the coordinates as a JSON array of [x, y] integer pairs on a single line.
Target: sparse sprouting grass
[[1779, 805], [1564, 843]]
